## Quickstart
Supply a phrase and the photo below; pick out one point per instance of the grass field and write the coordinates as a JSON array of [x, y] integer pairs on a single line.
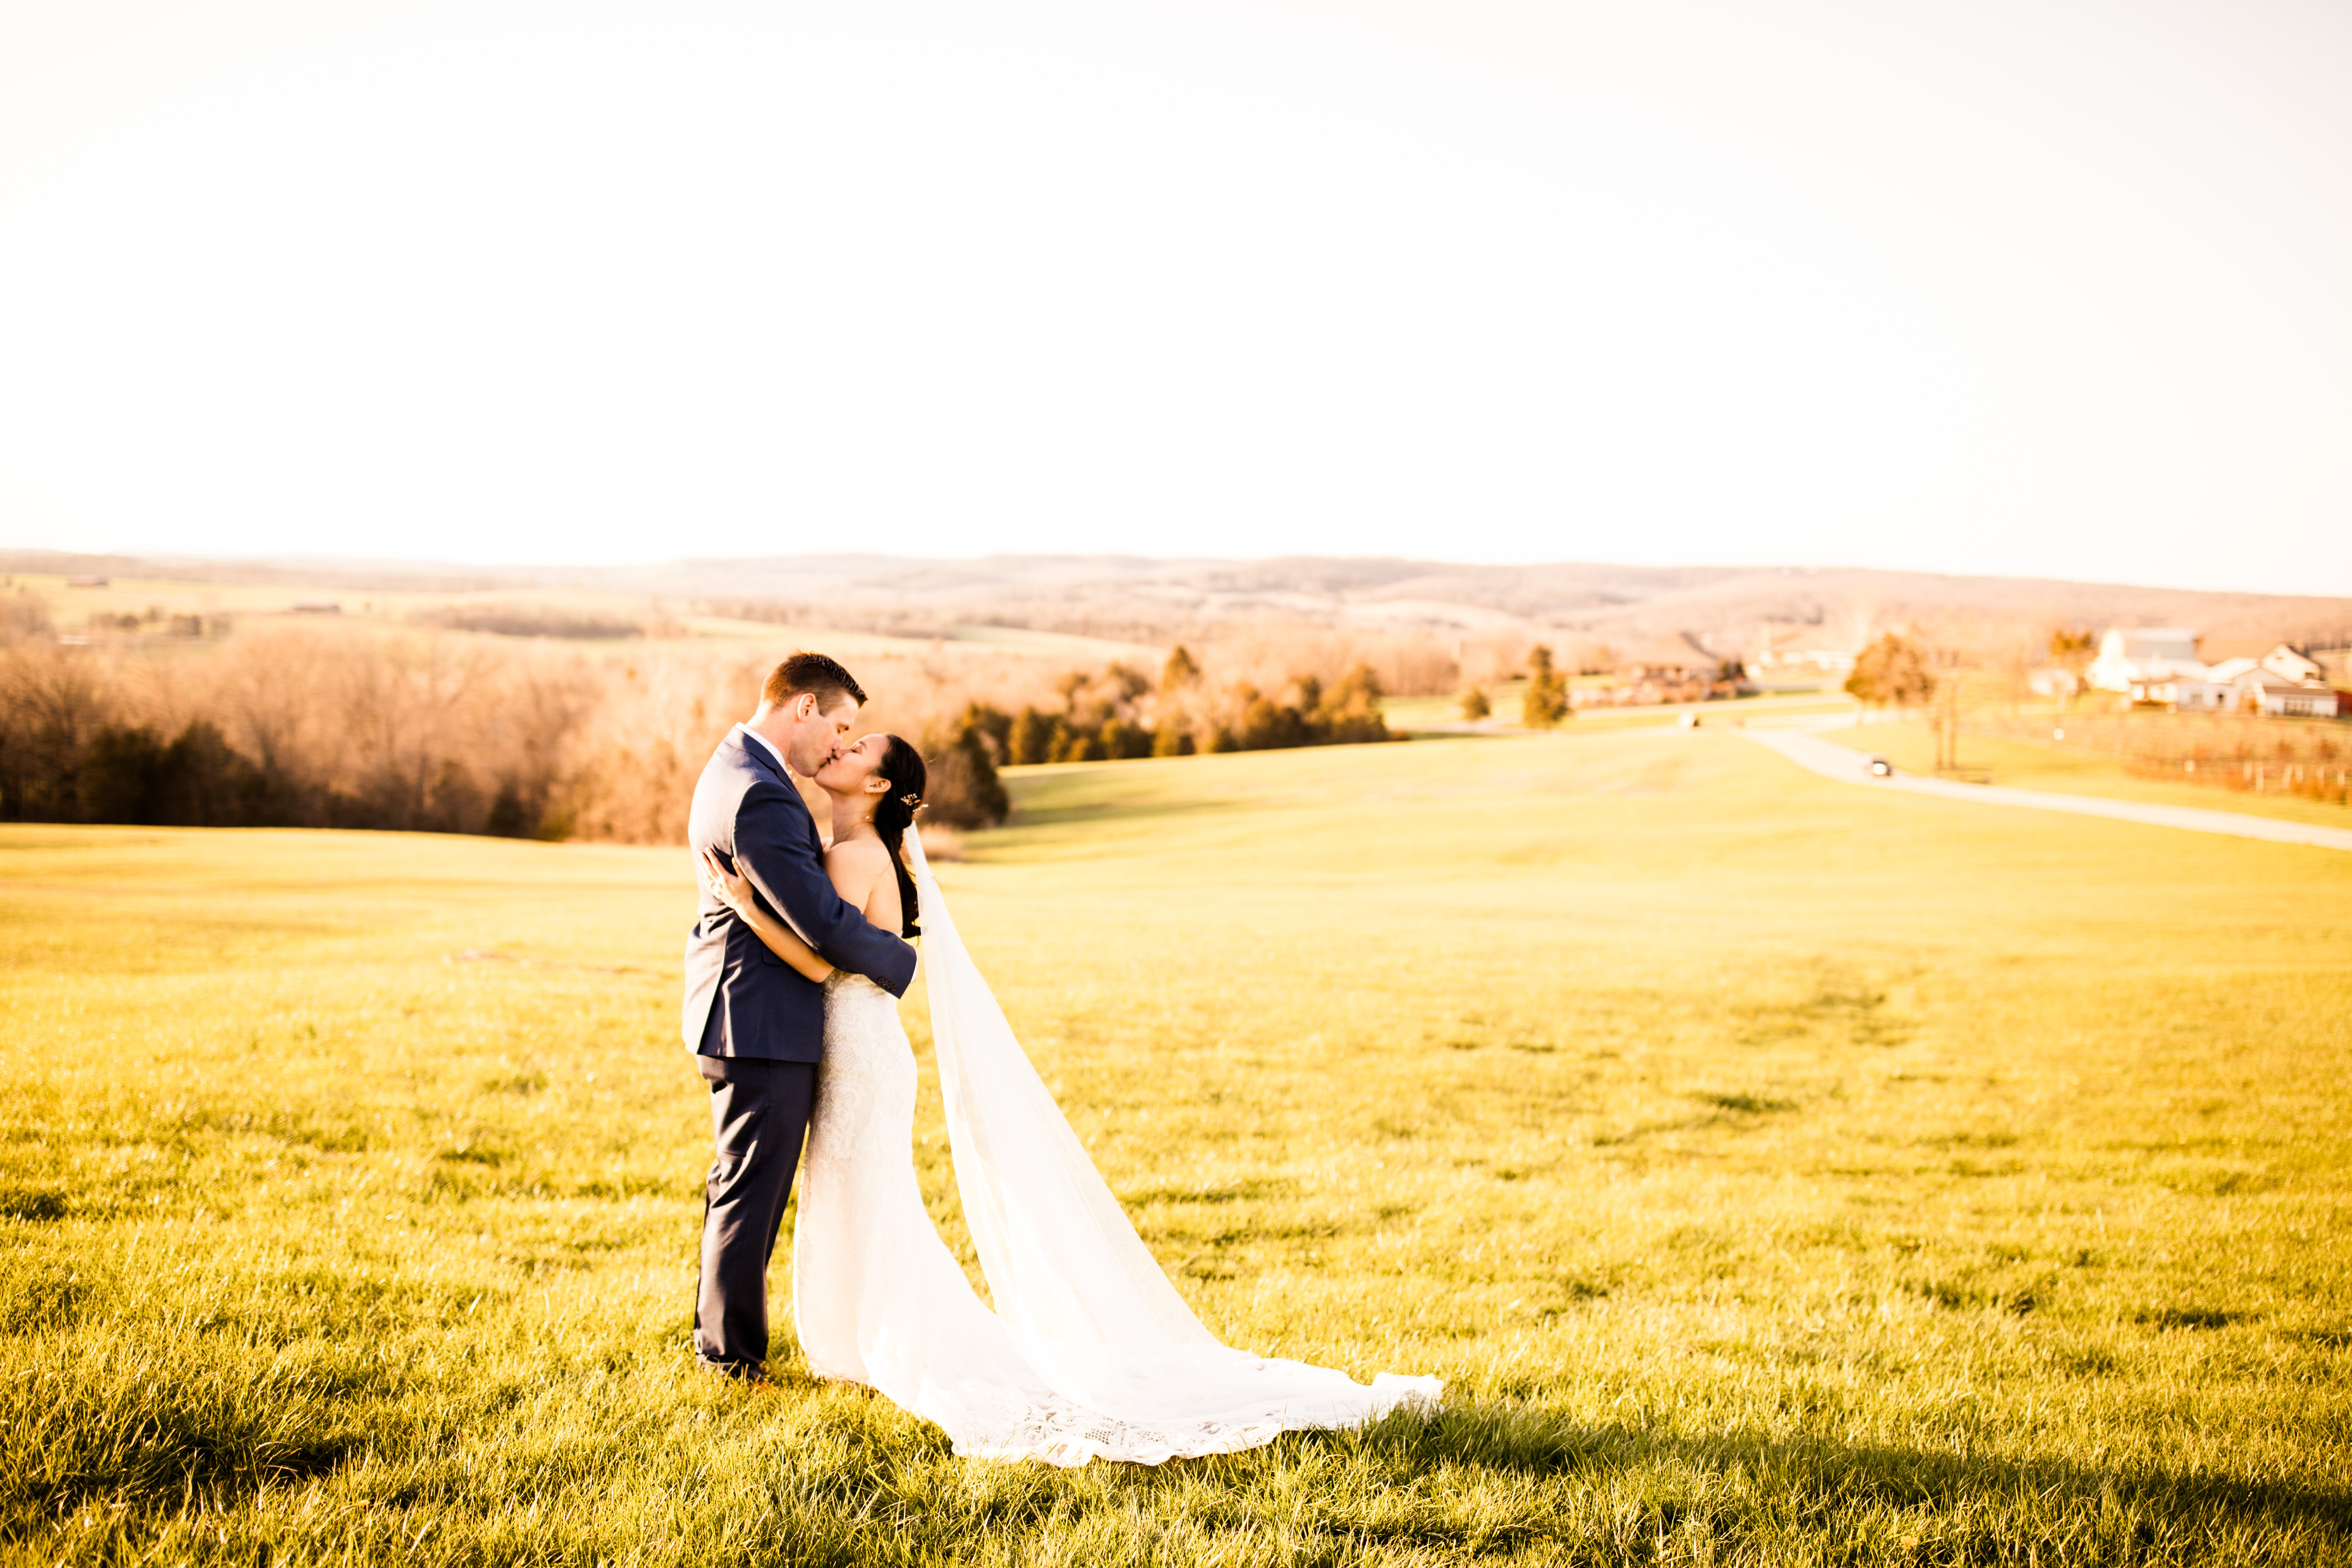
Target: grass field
[[1778, 1172]]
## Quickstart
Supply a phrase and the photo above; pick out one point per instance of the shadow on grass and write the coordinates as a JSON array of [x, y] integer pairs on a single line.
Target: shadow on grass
[[1819, 1479], [1479, 1481], [156, 1424], [1506, 1437]]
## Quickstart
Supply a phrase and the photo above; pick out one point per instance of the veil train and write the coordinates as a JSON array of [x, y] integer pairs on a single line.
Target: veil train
[[1083, 1297]]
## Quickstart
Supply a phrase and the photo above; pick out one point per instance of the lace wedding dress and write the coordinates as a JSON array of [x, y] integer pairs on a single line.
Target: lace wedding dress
[[1090, 1353]]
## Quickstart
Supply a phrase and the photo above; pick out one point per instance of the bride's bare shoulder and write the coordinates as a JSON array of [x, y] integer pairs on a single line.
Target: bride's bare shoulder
[[859, 869], [858, 852], [855, 864]]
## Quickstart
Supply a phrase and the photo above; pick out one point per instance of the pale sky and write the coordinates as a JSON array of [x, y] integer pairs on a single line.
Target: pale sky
[[2030, 287]]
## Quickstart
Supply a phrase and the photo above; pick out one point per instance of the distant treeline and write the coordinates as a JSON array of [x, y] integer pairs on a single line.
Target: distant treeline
[[1102, 717], [290, 730], [530, 620], [338, 727]]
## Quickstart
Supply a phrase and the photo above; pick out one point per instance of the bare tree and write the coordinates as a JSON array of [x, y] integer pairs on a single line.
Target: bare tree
[[1891, 672]]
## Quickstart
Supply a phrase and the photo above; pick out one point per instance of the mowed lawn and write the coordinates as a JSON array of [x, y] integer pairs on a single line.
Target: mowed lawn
[[1778, 1172]]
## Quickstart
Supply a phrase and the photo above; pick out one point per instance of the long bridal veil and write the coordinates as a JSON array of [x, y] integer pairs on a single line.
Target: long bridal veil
[[1083, 1297]]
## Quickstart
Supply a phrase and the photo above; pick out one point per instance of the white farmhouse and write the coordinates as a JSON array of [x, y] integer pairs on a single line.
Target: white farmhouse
[[2294, 664], [2277, 686], [2285, 682], [2263, 692], [2159, 666]]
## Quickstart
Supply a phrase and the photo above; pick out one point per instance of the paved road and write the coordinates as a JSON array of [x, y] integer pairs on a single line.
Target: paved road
[[1847, 765]]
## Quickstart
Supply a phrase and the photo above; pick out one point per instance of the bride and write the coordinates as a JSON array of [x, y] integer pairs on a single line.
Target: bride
[[1089, 1353]]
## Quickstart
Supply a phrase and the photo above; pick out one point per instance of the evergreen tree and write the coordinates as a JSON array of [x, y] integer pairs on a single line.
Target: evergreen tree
[[964, 791], [1033, 738], [1545, 702], [1351, 712]]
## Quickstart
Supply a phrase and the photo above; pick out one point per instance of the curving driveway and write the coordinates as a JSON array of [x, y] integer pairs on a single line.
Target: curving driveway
[[1846, 766]]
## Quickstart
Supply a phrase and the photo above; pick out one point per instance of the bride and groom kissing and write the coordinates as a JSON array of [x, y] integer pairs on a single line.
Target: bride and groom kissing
[[793, 971]]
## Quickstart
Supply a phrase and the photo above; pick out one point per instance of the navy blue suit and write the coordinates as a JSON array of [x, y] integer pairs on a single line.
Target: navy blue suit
[[757, 1028], [740, 999]]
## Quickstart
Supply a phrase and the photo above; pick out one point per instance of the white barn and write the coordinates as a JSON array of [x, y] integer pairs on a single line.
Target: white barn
[[2129, 653]]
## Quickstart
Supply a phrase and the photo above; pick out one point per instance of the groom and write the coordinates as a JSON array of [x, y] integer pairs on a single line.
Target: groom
[[757, 1027]]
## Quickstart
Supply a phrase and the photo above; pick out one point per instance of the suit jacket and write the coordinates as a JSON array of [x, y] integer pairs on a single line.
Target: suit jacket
[[741, 1000]]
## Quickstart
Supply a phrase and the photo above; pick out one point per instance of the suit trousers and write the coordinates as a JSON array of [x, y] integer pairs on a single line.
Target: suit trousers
[[759, 1119]]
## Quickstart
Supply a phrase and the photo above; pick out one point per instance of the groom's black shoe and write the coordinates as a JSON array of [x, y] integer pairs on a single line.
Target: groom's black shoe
[[750, 1374]]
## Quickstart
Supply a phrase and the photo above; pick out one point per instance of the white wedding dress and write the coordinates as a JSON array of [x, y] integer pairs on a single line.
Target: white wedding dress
[[1090, 1353]]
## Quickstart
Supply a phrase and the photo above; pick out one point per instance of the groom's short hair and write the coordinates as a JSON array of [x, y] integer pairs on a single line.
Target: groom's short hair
[[814, 673]]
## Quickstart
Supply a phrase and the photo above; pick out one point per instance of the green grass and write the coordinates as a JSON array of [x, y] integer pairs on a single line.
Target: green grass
[[1910, 745], [1778, 1172]]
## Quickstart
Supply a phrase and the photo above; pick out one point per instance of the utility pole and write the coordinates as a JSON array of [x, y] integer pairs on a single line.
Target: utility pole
[[1947, 712]]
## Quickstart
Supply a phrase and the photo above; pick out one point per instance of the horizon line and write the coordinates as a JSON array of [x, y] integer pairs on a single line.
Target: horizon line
[[444, 567]]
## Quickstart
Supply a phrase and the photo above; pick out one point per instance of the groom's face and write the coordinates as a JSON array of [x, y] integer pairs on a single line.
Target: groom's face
[[817, 732]]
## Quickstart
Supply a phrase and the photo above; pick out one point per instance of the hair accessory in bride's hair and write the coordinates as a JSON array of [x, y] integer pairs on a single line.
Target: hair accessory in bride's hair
[[910, 800]]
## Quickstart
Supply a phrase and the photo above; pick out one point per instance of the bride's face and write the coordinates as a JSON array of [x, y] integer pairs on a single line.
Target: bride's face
[[857, 769]]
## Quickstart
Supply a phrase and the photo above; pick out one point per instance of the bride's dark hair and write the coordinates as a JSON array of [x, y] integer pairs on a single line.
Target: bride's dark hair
[[902, 769]]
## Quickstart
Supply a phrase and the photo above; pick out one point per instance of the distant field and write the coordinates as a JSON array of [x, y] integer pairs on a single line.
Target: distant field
[[71, 607], [1911, 746], [1778, 1172], [1444, 713]]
